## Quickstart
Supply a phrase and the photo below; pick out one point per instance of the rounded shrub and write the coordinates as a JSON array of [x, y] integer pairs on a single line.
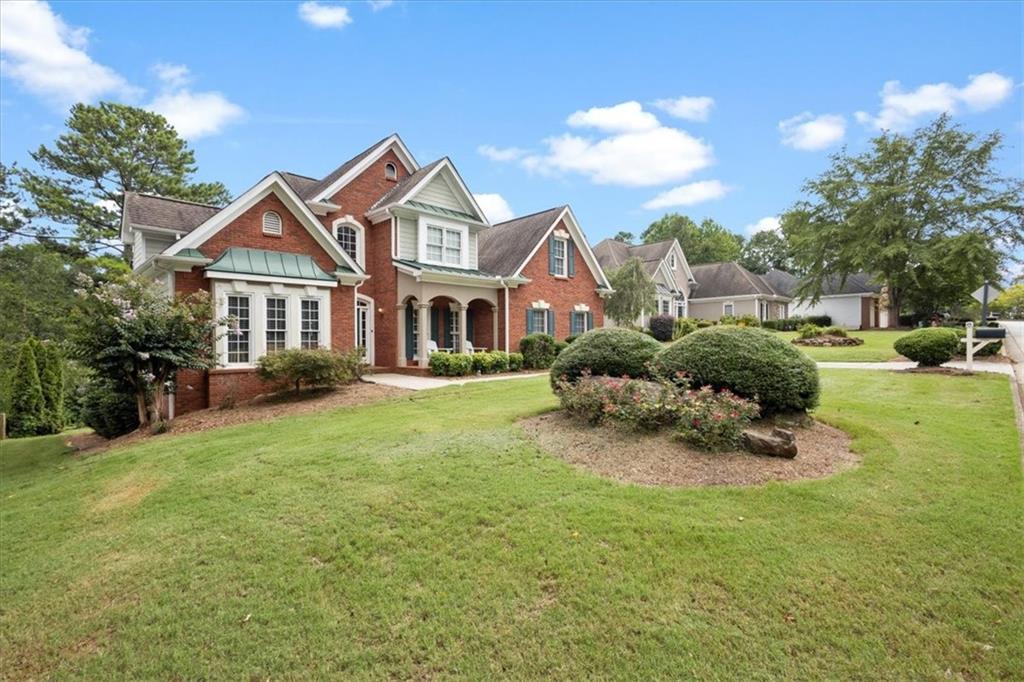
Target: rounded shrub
[[539, 350], [750, 362], [929, 347], [809, 331], [614, 352], [684, 326], [661, 327]]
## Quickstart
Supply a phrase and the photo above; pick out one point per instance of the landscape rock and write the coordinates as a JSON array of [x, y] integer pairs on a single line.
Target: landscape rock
[[828, 341], [778, 443]]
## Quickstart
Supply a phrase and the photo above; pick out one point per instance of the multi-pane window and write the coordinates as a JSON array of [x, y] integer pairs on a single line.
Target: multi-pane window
[[664, 306], [415, 331], [310, 318], [680, 309], [277, 323], [728, 309], [579, 322], [444, 245], [238, 333], [348, 240], [453, 331], [540, 320], [558, 249], [672, 260]]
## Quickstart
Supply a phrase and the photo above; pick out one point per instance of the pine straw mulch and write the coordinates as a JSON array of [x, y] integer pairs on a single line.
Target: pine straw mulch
[[261, 409], [659, 460]]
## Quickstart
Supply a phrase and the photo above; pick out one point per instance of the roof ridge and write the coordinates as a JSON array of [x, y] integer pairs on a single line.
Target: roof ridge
[[299, 175], [528, 215], [176, 199], [750, 278]]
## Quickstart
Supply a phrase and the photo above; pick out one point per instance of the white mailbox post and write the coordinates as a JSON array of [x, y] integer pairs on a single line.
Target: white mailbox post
[[976, 342]]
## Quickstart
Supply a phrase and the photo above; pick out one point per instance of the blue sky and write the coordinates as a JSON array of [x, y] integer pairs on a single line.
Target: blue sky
[[718, 110]]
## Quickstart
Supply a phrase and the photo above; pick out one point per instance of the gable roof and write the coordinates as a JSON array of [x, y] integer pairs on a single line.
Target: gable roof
[[715, 280], [405, 185], [149, 210], [340, 176], [276, 184], [410, 187], [856, 284], [507, 247], [612, 254], [302, 184]]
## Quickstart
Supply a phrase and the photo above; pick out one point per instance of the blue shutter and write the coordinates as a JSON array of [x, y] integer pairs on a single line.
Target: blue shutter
[[590, 321], [409, 313], [551, 254], [529, 321], [433, 325], [570, 254], [551, 322]]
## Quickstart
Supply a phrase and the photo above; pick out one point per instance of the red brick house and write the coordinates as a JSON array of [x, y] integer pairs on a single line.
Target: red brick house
[[368, 256]]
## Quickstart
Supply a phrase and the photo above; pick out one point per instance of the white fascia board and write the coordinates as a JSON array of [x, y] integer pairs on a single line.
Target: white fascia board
[[579, 238], [353, 279], [238, 277], [401, 151], [322, 207], [465, 190], [276, 184], [686, 265], [739, 297]]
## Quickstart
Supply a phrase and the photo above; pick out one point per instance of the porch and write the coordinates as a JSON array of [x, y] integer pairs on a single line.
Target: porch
[[451, 326]]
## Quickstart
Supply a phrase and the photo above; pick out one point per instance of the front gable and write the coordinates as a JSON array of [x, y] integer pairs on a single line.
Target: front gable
[[442, 190], [582, 258]]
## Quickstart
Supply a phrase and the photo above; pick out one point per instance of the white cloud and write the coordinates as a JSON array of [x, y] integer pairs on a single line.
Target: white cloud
[[689, 108], [500, 154], [172, 75], [810, 133], [620, 118], [324, 16], [196, 114], [48, 57], [771, 223], [378, 5], [637, 159], [108, 204], [902, 108], [688, 195], [494, 207]]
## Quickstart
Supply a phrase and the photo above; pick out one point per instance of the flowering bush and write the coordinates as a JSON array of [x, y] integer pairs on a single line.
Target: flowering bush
[[311, 366], [705, 418], [714, 420]]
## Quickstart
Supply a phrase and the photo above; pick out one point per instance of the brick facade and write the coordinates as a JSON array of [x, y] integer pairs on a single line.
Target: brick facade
[[563, 294]]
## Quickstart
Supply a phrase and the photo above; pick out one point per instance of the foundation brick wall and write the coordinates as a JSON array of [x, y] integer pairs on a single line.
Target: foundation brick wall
[[562, 294]]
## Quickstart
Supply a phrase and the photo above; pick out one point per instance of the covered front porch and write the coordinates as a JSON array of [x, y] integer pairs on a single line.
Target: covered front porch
[[444, 318]]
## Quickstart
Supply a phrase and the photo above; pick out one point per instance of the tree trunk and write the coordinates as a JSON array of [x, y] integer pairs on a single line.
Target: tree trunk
[[140, 403]]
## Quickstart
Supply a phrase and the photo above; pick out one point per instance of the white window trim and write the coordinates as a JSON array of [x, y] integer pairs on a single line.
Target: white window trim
[[280, 224], [319, 321], [729, 304], [672, 260], [390, 171], [266, 320], [422, 224], [585, 316], [349, 221], [258, 293], [534, 311], [565, 255]]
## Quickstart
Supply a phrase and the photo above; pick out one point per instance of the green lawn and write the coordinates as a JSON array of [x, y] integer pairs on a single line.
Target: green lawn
[[877, 347], [426, 538]]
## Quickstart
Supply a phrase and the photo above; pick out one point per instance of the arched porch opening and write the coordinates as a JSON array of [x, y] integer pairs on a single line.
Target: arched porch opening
[[482, 324]]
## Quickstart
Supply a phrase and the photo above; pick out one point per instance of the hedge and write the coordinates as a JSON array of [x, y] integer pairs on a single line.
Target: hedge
[[748, 361], [613, 352]]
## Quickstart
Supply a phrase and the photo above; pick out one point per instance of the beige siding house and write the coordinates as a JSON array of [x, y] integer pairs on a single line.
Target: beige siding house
[[665, 262], [730, 289]]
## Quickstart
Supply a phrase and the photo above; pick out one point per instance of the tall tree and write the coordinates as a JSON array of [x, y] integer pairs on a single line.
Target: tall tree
[[15, 216], [107, 150], [50, 361], [764, 251], [916, 211], [624, 237], [634, 292], [708, 242], [28, 410]]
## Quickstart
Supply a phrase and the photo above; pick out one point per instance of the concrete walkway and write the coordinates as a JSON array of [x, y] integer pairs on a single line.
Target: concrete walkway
[[418, 383], [993, 367]]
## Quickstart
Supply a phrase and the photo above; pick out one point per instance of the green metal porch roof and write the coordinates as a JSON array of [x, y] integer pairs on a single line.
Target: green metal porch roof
[[190, 253], [442, 211], [447, 270], [242, 261]]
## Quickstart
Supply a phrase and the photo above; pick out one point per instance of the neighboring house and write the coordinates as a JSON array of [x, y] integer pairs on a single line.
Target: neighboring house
[[560, 285], [665, 262], [854, 304], [381, 253], [730, 289]]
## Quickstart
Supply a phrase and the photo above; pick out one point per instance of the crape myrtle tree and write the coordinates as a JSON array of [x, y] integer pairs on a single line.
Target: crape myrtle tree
[[134, 334], [634, 292], [926, 214], [109, 149]]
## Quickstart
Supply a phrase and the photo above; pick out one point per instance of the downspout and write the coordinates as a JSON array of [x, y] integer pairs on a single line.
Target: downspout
[[505, 285]]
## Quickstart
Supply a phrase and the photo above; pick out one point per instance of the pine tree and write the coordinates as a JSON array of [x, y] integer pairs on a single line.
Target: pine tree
[[27, 407], [51, 379]]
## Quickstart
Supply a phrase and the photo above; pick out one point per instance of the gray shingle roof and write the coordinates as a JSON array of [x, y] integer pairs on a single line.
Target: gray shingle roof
[[172, 214], [341, 170], [612, 254], [302, 184], [855, 284], [729, 279], [504, 247], [406, 184]]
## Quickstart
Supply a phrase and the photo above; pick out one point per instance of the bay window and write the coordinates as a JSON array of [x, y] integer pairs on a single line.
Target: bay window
[[309, 336], [277, 323]]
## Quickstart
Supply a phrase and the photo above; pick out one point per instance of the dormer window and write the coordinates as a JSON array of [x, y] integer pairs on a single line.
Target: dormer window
[[272, 224], [390, 171]]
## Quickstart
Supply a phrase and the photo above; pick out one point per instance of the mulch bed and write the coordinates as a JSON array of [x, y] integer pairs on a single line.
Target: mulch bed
[[829, 340], [259, 409], [658, 460]]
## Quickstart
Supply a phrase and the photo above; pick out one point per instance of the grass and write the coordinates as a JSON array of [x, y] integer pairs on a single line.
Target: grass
[[877, 347], [425, 537]]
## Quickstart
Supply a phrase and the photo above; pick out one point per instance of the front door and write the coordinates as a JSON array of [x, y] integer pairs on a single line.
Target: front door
[[364, 328]]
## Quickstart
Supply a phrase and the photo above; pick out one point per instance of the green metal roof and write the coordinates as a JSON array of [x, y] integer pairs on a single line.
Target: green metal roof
[[443, 211], [190, 253], [428, 267], [243, 261]]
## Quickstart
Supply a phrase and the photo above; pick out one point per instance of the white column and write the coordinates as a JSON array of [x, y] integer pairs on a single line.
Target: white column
[[494, 321], [400, 345], [423, 310], [462, 324]]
